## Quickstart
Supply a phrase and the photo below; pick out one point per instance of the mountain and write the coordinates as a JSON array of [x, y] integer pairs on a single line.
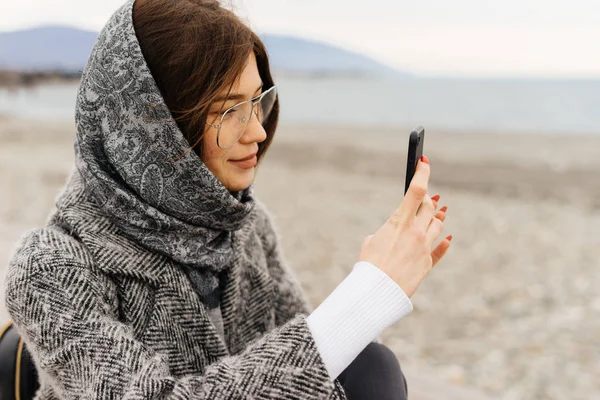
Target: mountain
[[291, 54], [46, 48], [67, 49]]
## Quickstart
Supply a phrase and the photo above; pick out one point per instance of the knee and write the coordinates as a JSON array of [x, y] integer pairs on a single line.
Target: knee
[[377, 353], [375, 367], [388, 362], [377, 359]]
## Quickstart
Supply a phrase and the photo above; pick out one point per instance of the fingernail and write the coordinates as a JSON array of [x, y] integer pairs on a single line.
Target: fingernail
[[425, 159], [449, 238], [436, 197], [443, 209]]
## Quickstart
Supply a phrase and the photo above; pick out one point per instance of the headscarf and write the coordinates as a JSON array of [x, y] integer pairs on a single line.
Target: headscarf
[[127, 155]]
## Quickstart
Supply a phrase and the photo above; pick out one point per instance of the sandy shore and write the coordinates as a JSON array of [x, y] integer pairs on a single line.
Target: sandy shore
[[514, 309]]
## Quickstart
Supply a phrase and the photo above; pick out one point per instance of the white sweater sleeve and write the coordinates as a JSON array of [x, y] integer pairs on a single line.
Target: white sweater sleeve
[[354, 314]]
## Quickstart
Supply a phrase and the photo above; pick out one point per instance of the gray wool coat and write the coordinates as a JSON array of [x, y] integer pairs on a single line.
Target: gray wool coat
[[105, 319]]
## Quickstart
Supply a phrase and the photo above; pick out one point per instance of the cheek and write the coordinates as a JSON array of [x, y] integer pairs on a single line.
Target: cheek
[[212, 155]]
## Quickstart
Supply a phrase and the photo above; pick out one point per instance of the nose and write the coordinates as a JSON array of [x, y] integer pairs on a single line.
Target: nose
[[254, 131]]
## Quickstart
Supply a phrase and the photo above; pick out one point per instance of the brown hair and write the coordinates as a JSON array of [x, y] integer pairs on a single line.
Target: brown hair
[[195, 49]]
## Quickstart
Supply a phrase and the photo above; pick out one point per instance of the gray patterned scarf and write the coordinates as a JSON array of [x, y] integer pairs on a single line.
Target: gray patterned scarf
[[125, 154]]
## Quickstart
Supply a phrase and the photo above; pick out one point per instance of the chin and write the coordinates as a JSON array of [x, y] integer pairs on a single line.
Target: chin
[[241, 181]]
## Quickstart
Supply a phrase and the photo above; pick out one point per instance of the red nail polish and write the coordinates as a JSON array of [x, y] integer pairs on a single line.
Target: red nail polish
[[425, 159], [444, 209], [449, 238]]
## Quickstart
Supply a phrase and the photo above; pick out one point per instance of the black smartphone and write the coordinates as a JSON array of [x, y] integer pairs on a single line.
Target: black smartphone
[[415, 151]]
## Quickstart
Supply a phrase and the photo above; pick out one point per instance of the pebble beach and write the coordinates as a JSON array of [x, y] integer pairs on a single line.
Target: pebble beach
[[512, 312]]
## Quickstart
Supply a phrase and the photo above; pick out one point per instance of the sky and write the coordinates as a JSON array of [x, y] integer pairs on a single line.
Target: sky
[[458, 38]]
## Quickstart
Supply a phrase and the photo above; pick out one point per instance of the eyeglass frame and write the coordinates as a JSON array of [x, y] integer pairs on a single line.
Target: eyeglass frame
[[254, 100]]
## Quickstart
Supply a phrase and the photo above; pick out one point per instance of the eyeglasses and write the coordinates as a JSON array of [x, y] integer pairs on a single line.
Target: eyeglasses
[[235, 120]]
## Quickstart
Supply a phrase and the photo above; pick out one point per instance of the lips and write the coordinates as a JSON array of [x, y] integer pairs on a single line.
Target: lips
[[251, 156], [247, 163]]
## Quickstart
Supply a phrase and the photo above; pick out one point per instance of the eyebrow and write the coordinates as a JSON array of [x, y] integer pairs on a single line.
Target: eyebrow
[[236, 96]]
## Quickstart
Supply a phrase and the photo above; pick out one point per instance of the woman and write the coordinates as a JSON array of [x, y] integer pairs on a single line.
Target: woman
[[160, 274]]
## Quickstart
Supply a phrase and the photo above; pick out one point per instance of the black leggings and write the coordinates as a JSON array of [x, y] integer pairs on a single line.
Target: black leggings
[[374, 374]]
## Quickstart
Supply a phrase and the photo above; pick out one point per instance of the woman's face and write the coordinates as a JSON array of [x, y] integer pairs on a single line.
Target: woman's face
[[221, 162]]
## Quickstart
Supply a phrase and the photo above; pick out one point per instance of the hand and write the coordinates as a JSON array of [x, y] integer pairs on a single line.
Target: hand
[[401, 247]]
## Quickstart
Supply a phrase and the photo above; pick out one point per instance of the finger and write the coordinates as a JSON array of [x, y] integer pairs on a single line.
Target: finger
[[441, 214], [425, 213], [415, 194], [438, 253], [435, 200], [433, 231]]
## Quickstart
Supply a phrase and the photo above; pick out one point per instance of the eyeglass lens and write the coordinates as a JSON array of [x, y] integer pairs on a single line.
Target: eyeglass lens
[[236, 119]]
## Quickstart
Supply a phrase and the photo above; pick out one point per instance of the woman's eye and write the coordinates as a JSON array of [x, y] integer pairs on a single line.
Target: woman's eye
[[229, 113]]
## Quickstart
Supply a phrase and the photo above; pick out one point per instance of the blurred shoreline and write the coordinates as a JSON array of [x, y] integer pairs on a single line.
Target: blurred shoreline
[[512, 311], [505, 107], [14, 80]]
